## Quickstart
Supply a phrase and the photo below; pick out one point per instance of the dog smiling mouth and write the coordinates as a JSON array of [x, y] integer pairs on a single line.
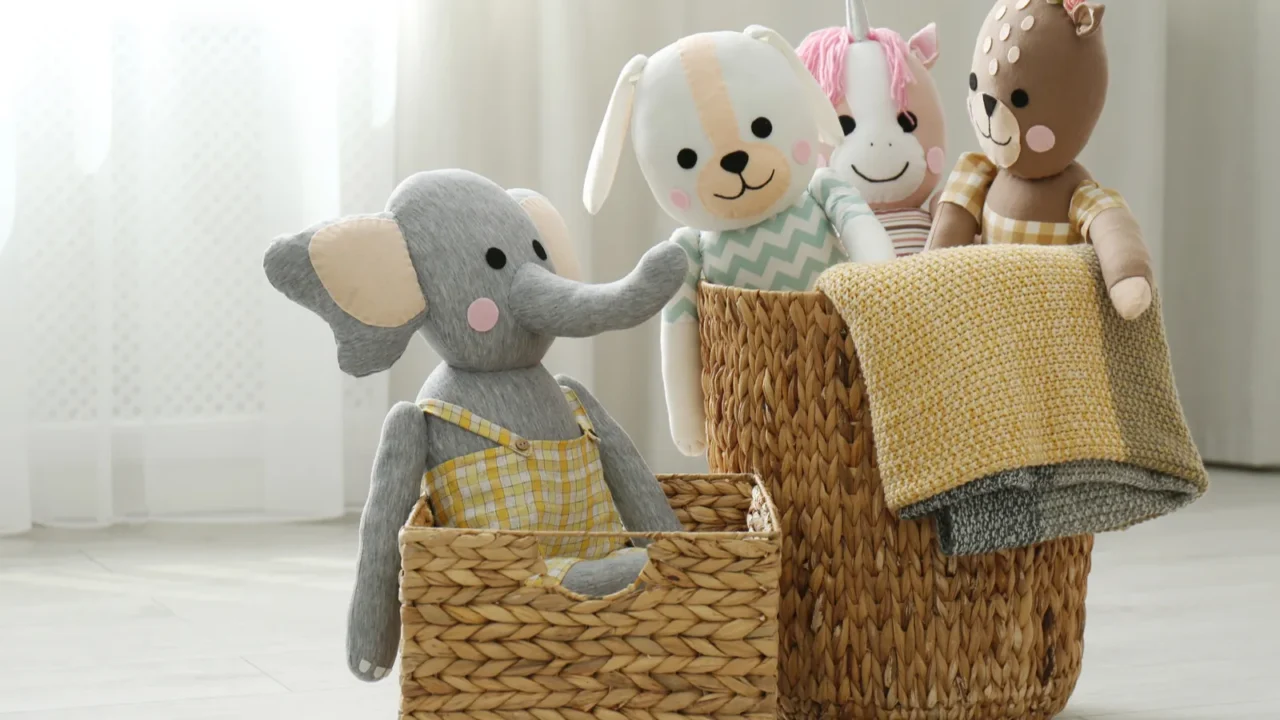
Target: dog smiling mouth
[[886, 180], [746, 187]]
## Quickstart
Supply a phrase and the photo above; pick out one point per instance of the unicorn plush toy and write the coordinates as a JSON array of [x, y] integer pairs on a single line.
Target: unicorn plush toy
[[894, 150]]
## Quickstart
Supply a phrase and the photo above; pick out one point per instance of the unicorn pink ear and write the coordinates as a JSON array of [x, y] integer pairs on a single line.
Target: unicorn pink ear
[[924, 45]]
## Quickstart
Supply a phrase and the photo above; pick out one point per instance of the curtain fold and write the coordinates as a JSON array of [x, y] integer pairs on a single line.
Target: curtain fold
[[149, 370]]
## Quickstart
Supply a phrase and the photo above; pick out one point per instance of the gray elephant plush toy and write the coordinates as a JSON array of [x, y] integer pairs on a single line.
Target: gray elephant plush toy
[[496, 440]]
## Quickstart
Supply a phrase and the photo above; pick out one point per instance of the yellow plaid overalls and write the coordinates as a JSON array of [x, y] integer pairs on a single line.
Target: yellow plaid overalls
[[528, 485]]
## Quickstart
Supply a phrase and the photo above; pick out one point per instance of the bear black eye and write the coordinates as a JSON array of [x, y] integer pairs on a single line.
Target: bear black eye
[[1019, 98], [687, 158], [847, 124], [761, 127], [973, 81], [496, 258], [540, 251], [908, 122]]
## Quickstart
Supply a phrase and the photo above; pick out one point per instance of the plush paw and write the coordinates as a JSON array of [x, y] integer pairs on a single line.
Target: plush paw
[[368, 671], [691, 448], [1131, 297]]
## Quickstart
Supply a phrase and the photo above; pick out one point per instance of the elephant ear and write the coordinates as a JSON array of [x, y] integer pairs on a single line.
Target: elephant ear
[[553, 229], [357, 275]]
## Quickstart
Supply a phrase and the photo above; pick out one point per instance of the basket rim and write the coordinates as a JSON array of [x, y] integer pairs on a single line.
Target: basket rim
[[409, 532], [775, 294]]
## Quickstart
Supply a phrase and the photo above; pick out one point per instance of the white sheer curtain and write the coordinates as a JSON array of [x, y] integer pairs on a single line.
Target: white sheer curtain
[[148, 153]]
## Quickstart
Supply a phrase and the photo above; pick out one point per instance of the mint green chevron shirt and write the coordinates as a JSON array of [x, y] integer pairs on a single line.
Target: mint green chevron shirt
[[786, 252]]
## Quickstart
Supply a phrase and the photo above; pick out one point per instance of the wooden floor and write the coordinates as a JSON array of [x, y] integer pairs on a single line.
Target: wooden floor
[[246, 623]]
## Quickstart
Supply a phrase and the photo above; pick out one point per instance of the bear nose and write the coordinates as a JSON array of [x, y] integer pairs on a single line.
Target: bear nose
[[989, 103], [735, 162]]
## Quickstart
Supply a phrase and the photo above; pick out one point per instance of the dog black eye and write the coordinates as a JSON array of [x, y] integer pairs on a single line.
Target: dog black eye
[[540, 251], [761, 127], [908, 122], [847, 124], [687, 158], [496, 258], [973, 81], [1019, 98]]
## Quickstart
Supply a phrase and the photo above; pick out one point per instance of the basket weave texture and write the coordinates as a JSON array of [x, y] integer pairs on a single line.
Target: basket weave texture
[[696, 636], [874, 621]]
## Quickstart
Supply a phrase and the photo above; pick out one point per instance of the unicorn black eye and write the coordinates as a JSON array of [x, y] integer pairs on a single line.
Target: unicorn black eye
[[540, 251], [973, 81], [761, 127], [496, 258], [908, 122], [687, 158], [1019, 98], [847, 124]]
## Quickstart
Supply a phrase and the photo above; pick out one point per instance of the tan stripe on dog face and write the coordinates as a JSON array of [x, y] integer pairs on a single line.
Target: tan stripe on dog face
[[711, 95]]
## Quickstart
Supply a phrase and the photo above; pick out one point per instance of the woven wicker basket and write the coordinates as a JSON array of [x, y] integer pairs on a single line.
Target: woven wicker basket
[[875, 622], [697, 637]]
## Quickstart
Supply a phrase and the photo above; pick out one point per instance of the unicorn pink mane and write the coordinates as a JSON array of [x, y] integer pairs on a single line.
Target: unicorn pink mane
[[824, 52]]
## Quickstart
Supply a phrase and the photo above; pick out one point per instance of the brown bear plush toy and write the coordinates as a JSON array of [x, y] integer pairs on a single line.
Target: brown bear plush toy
[[1037, 87]]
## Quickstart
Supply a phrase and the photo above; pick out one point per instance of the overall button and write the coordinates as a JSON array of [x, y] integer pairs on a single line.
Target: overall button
[[522, 445]]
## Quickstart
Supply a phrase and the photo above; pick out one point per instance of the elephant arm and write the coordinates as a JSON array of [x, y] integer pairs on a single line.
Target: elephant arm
[[682, 353], [863, 237], [373, 622], [640, 500]]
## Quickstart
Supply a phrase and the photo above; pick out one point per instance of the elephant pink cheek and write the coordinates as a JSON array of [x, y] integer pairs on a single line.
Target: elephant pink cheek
[[1041, 139], [680, 199], [802, 151], [937, 159], [482, 315]]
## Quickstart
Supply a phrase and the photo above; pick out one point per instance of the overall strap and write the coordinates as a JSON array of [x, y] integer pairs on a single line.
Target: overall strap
[[473, 423], [579, 412]]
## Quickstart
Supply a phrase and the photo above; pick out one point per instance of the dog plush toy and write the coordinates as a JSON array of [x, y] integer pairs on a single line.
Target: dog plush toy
[[494, 438], [726, 128], [895, 145], [1037, 87]]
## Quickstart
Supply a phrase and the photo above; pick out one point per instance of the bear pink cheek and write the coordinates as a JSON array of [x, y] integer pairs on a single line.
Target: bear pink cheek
[[801, 151], [482, 315], [680, 199], [937, 159], [1041, 139]]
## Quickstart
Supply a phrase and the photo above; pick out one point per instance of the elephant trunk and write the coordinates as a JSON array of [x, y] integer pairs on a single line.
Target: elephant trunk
[[547, 304]]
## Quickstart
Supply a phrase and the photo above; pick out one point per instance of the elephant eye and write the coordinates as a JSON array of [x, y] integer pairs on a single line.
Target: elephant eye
[[540, 251], [1019, 98], [687, 158], [496, 258], [847, 124], [908, 122]]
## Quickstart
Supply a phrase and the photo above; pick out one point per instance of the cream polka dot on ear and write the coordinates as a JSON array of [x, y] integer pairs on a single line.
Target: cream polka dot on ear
[[1014, 54], [1022, 4], [1000, 11], [994, 67], [1028, 22], [1005, 31], [986, 45]]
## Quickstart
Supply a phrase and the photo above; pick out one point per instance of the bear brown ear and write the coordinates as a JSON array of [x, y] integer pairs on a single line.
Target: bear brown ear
[[1087, 17]]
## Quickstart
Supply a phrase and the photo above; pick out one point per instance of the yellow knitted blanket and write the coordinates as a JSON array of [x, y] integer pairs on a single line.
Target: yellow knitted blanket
[[1009, 401]]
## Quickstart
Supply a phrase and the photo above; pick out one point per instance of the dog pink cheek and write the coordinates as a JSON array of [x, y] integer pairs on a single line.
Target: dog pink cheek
[[801, 151], [1041, 139], [482, 315], [937, 159], [680, 199]]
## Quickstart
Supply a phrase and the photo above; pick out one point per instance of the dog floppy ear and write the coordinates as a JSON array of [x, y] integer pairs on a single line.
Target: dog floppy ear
[[829, 131], [553, 229], [607, 151]]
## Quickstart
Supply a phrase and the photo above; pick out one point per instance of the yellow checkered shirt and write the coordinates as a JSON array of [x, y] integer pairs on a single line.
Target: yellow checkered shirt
[[968, 188], [528, 485]]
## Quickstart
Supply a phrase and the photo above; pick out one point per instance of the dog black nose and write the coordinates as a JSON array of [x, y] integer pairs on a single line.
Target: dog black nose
[[735, 162], [989, 103]]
